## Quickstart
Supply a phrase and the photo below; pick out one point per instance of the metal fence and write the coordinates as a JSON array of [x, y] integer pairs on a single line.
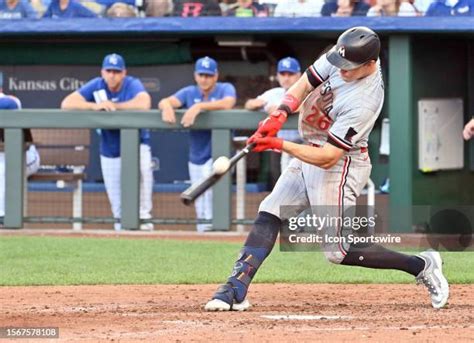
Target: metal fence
[[222, 124]]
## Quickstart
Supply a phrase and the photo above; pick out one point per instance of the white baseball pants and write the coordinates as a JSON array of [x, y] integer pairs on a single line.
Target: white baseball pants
[[111, 171], [203, 204], [32, 161]]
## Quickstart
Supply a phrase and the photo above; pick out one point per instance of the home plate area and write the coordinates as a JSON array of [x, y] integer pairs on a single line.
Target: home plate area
[[280, 312]]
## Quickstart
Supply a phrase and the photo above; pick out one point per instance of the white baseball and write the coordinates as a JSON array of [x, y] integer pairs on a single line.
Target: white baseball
[[221, 165]]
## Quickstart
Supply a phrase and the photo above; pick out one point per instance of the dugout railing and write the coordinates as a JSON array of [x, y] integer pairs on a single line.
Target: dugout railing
[[222, 124]]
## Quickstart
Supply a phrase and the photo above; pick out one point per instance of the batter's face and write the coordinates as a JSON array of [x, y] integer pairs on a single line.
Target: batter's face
[[113, 78], [358, 73], [206, 82], [286, 79]]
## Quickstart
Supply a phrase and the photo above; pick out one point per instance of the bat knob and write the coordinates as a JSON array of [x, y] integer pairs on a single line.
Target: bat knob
[[186, 201]]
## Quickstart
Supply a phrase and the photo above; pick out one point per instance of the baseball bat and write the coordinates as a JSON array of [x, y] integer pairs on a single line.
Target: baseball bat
[[197, 189]]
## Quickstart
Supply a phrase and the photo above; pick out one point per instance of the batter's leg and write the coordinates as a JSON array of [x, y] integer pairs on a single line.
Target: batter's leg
[[347, 180], [288, 190], [376, 256]]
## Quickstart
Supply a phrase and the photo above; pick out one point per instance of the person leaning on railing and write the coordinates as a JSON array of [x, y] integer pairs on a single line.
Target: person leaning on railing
[[113, 91], [288, 72], [206, 95]]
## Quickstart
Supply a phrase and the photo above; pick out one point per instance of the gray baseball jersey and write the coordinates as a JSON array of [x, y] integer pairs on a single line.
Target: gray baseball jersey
[[339, 113]]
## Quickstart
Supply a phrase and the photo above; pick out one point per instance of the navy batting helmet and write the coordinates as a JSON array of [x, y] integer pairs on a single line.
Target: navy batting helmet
[[354, 47]]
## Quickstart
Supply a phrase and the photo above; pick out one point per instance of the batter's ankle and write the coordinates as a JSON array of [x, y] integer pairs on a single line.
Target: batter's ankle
[[226, 293]]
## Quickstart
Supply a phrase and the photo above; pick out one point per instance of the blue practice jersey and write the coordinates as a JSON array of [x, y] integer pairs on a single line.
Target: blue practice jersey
[[200, 140], [110, 139]]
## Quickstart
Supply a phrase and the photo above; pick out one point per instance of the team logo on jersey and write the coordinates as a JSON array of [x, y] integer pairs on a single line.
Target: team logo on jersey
[[321, 99], [350, 133], [342, 51]]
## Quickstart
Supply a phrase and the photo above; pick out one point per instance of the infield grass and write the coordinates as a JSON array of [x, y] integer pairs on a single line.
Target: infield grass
[[80, 261]]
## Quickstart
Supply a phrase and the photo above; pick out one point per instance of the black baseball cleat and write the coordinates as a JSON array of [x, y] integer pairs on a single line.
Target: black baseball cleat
[[224, 300], [432, 277]]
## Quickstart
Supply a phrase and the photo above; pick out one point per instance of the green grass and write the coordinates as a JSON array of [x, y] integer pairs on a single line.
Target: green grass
[[77, 261]]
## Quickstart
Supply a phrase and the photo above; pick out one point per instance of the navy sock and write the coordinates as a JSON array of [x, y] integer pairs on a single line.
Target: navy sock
[[376, 256], [258, 246]]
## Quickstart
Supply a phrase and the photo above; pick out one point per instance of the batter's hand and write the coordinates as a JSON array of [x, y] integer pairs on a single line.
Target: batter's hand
[[108, 106], [270, 126], [168, 115], [190, 115], [468, 130], [268, 143]]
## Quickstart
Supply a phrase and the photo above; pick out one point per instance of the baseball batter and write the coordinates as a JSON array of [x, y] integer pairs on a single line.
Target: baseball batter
[[111, 92], [340, 97]]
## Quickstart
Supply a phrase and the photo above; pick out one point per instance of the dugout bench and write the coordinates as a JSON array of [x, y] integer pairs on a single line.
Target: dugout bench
[[64, 155]]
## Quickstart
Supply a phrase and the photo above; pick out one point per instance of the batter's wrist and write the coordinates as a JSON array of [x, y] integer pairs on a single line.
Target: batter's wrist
[[289, 104]]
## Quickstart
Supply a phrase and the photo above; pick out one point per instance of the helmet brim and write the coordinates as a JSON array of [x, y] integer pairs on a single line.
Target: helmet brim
[[340, 62]]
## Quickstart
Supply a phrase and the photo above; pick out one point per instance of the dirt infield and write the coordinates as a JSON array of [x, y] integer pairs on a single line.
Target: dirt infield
[[303, 313]]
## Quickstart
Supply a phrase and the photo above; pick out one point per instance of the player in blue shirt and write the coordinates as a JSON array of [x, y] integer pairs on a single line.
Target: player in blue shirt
[[206, 95], [67, 9], [9, 102], [111, 92]]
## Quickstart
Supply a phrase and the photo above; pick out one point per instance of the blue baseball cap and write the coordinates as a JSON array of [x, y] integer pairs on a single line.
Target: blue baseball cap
[[288, 64], [113, 62], [206, 65]]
